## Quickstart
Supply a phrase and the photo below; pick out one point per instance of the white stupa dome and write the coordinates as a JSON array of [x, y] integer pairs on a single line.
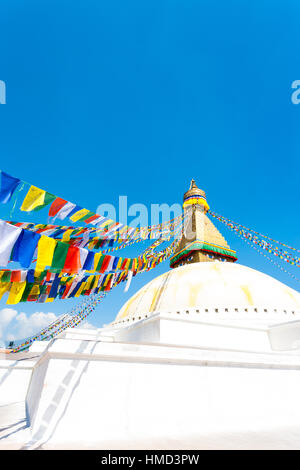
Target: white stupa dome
[[212, 287]]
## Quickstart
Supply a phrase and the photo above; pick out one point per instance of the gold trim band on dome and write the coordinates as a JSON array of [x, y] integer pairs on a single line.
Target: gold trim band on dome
[[205, 246]]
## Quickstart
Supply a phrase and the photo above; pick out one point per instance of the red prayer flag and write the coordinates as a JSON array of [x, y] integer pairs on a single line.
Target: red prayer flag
[[16, 276], [124, 263], [105, 263], [68, 287], [109, 284], [90, 219], [56, 205], [72, 262]]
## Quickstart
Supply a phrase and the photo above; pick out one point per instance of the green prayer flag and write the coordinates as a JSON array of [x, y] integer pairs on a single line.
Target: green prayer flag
[[59, 256], [49, 198], [100, 262], [6, 276], [26, 292], [86, 216]]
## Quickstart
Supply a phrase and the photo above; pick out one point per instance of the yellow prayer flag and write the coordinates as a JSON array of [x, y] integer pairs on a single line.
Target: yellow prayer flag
[[88, 282], [119, 263], [46, 247], [66, 235], [4, 287], [95, 284], [35, 290], [127, 265], [80, 289], [16, 292], [96, 260], [79, 214], [34, 198], [108, 279], [106, 222]]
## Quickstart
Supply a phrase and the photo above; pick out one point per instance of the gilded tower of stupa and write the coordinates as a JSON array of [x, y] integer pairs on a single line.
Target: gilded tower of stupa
[[201, 240]]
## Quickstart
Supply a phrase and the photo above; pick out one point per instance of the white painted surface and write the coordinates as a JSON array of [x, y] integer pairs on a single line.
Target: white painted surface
[[86, 393], [211, 285], [189, 330], [285, 336], [104, 395], [215, 376]]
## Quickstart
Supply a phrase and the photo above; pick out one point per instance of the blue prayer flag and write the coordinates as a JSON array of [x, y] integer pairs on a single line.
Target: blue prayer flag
[[8, 186]]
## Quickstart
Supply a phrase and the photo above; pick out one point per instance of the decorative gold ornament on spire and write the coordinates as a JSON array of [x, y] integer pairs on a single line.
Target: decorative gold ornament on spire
[[195, 196]]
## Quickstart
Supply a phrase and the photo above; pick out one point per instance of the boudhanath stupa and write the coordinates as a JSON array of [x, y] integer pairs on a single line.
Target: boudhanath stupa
[[204, 356]]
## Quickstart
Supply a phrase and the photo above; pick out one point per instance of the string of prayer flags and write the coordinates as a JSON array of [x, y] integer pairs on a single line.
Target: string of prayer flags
[[69, 320], [85, 286], [19, 245], [46, 286], [228, 221], [268, 258], [37, 198], [254, 238]]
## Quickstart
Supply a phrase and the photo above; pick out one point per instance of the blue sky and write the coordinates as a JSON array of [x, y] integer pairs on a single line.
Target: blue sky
[[109, 98]]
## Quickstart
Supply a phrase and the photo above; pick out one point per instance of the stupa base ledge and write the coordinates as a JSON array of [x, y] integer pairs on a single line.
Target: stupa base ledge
[[97, 392]]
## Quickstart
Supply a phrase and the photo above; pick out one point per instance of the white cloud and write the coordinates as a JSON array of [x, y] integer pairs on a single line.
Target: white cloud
[[28, 326], [85, 324], [15, 326], [6, 317]]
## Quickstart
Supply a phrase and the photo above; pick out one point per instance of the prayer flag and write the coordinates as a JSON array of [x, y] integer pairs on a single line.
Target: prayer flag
[[79, 215], [65, 210], [46, 247], [36, 199], [24, 247], [72, 262], [16, 292], [59, 256], [8, 236], [56, 205], [8, 186]]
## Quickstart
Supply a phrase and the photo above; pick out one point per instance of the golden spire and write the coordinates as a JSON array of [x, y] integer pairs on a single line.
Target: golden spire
[[201, 240]]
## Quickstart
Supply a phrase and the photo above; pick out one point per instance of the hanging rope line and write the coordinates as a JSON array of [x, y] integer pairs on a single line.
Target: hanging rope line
[[230, 222], [68, 320], [268, 258], [87, 306], [37, 199], [95, 238], [78, 313], [253, 239]]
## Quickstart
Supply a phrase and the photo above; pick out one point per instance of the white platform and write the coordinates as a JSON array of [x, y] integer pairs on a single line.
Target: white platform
[[182, 382]]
